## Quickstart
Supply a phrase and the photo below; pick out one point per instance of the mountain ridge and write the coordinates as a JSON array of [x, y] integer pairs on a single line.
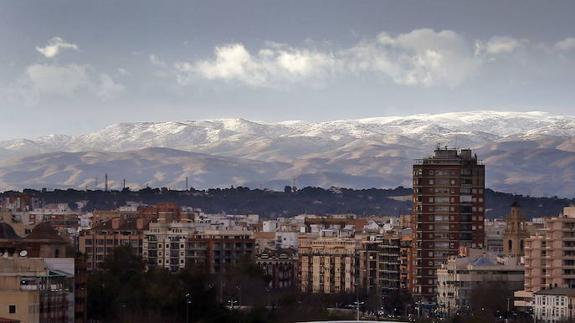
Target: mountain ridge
[[525, 152]]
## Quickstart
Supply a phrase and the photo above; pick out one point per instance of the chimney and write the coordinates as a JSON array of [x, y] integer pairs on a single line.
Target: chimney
[[140, 223], [116, 223]]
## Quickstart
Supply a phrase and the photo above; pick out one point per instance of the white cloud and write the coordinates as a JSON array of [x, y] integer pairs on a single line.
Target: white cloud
[[59, 80], [266, 68], [54, 46], [155, 60], [55, 80], [107, 88], [566, 44], [420, 58], [499, 45]]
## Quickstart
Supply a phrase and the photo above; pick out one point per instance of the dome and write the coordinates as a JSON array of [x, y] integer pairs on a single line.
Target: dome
[[7, 232]]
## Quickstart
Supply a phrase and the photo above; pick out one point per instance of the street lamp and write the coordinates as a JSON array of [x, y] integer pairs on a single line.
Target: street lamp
[[357, 304], [188, 302], [231, 303]]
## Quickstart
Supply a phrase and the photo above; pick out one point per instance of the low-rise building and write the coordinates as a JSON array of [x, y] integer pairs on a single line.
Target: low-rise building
[[460, 275], [327, 264], [178, 245], [554, 305], [100, 241], [36, 290], [280, 266]]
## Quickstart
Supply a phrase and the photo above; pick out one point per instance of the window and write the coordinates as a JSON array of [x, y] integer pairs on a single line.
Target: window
[[12, 309]]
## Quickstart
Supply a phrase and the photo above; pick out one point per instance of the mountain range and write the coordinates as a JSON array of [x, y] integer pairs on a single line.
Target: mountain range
[[531, 153]]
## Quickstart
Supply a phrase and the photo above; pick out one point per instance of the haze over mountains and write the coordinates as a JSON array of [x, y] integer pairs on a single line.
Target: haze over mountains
[[525, 152]]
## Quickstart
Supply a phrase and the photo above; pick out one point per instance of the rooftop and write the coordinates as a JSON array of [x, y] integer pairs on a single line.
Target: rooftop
[[557, 291]]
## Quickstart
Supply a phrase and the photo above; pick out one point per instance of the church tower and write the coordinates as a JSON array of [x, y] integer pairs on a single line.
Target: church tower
[[515, 232]]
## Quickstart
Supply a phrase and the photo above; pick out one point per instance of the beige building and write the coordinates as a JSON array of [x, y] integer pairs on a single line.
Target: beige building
[[549, 257], [550, 254], [35, 290], [327, 264], [457, 278]]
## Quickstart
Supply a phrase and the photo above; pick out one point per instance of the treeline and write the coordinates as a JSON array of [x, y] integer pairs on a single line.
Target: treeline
[[290, 202], [122, 291]]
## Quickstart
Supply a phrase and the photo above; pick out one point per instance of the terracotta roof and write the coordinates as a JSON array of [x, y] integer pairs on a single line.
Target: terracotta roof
[[7, 232], [44, 231]]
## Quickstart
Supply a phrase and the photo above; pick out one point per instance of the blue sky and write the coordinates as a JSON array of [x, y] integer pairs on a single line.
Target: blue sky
[[75, 66]]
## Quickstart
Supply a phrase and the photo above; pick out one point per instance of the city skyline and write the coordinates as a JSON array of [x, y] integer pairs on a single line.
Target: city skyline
[[73, 67]]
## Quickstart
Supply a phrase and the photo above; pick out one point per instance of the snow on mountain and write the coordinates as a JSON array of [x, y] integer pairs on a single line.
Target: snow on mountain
[[526, 152]]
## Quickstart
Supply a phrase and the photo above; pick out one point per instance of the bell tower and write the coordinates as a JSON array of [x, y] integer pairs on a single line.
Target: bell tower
[[515, 232]]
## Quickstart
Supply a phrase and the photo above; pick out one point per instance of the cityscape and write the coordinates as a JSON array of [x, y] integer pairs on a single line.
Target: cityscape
[[440, 260], [265, 161]]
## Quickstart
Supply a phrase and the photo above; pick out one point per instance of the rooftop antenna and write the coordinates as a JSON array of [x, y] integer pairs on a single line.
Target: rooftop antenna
[[106, 182]]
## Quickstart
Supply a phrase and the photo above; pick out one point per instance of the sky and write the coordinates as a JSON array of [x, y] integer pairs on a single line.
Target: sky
[[74, 66]]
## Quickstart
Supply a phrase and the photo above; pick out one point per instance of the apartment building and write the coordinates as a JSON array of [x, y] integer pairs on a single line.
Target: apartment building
[[550, 254], [554, 305], [448, 213], [280, 265], [36, 290], [328, 264], [178, 245], [100, 241], [473, 268]]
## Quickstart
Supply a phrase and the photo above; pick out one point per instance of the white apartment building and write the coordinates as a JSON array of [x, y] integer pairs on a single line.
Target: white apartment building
[[554, 305]]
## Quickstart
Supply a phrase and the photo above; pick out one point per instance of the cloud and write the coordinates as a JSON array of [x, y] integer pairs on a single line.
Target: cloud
[[499, 45], [107, 88], [54, 80], [54, 46], [566, 44], [270, 65], [59, 80], [420, 58]]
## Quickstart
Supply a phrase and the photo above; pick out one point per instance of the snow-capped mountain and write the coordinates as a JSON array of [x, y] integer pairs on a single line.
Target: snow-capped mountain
[[526, 152]]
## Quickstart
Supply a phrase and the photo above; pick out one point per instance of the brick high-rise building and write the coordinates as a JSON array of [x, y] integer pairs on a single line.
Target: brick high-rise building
[[448, 212]]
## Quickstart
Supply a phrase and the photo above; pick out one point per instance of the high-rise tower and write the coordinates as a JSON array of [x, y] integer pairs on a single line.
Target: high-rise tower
[[448, 213]]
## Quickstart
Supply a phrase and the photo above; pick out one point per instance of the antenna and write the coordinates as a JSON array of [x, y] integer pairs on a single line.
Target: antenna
[[106, 182], [124, 184], [187, 187]]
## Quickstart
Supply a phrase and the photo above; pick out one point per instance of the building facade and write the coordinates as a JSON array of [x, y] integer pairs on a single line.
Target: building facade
[[457, 278], [448, 212], [280, 266], [550, 254], [554, 305], [33, 291], [100, 241], [328, 264], [178, 245]]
